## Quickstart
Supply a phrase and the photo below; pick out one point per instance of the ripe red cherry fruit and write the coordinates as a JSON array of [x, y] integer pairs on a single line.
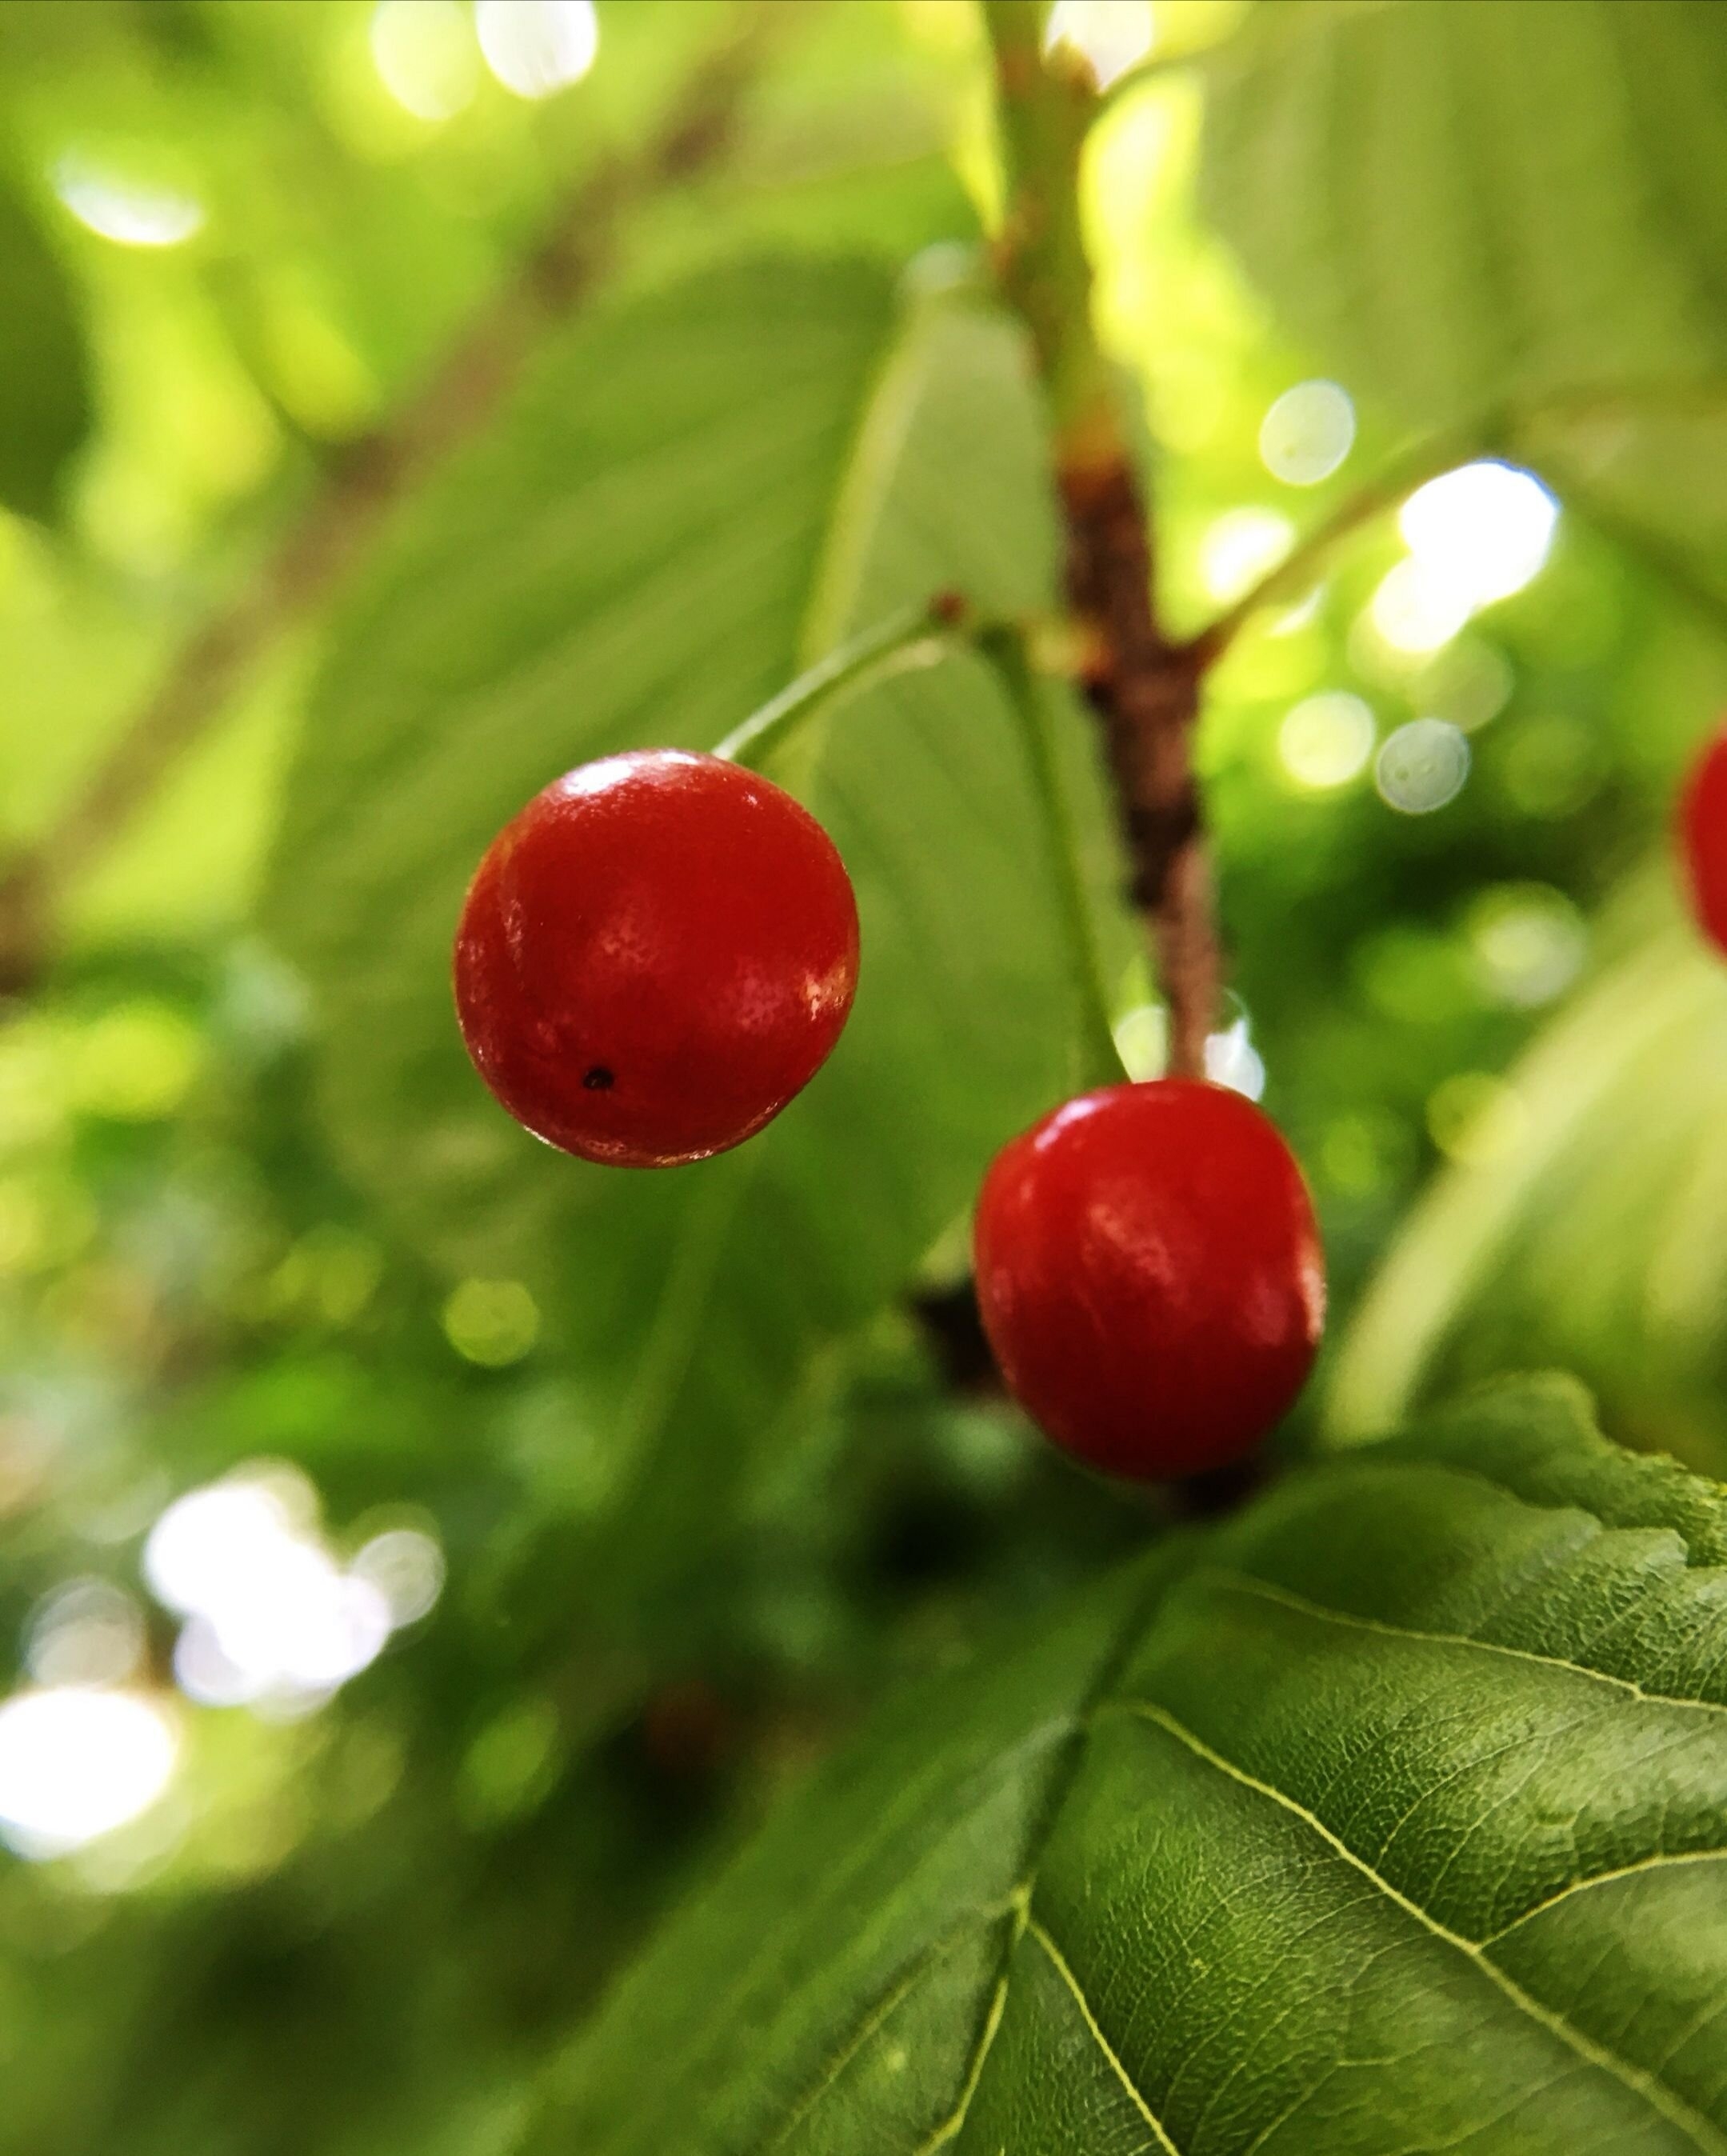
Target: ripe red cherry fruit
[[653, 957], [1150, 1275], [1703, 839]]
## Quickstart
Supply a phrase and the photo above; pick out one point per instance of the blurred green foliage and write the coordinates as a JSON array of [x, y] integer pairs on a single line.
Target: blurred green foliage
[[708, 1457]]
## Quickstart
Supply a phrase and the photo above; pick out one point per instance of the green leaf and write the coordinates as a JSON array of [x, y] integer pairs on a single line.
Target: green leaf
[[697, 493], [1473, 208], [1506, 221], [44, 366], [1389, 1815], [1596, 1242]]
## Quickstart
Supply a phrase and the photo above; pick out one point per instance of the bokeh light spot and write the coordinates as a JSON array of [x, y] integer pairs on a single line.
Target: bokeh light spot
[[1530, 942], [1325, 741], [1552, 765], [512, 1764], [493, 1322], [1482, 532], [130, 212], [1241, 547], [1110, 35], [1421, 767], [536, 48], [135, 1063], [1363, 1153], [1413, 610], [1231, 1059], [85, 1632], [405, 1566], [273, 1621], [77, 1762], [424, 53], [1469, 682], [1308, 432]]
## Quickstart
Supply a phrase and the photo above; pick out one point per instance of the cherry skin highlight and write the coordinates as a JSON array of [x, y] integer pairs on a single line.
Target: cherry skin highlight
[[1150, 1275], [655, 957], [1702, 839]]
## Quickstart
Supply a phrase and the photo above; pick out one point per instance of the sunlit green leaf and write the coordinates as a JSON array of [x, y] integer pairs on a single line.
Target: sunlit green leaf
[[1453, 231], [1590, 1231], [696, 496], [1505, 220]]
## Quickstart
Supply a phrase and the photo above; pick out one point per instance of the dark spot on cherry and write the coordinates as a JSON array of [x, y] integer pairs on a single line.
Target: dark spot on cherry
[[598, 1079]]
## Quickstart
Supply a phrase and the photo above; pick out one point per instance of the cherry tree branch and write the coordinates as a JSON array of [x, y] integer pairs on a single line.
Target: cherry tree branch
[[1143, 686], [367, 481]]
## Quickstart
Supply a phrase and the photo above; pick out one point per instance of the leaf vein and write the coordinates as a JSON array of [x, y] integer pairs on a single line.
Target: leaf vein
[[1660, 1861], [1102, 2041], [880, 2011], [1653, 2091], [1247, 1583], [955, 2118]]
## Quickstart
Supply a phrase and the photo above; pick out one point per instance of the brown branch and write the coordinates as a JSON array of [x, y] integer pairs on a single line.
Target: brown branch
[[369, 479], [1146, 693], [1143, 686]]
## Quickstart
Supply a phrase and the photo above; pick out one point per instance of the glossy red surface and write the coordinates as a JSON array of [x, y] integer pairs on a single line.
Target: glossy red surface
[[655, 957], [1702, 839], [1150, 1275]]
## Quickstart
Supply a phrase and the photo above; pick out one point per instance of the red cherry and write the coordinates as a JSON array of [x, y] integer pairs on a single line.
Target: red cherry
[[1702, 836], [1150, 1275], [653, 957]]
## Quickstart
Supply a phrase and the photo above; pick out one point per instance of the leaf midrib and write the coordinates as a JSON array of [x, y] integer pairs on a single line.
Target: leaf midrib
[[1140, 1616], [1646, 2085]]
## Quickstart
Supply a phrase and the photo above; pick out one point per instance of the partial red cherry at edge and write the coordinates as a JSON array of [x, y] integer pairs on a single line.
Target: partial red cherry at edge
[[1703, 839], [655, 956], [1150, 1275]]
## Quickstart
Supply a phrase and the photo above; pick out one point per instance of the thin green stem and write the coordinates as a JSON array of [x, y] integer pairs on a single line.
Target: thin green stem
[[919, 636], [1003, 646], [1045, 106], [1302, 568], [914, 636]]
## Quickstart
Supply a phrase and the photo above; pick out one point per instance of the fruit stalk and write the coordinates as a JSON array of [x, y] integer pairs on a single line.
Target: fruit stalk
[[1143, 685], [1003, 646], [915, 636]]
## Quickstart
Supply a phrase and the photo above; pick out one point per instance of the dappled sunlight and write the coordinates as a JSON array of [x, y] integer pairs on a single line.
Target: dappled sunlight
[[1326, 740], [1422, 766], [1307, 433], [1240, 548], [1483, 532], [272, 1619], [85, 1632], [536, 48], [1211, 509], [426, 56], [1111, 35], [77, 1762], [130, 212]]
